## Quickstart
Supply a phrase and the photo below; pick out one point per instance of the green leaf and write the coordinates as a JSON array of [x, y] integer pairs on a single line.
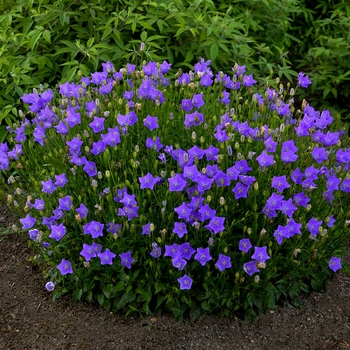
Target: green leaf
[[77, 295], [143, 36], [36, 34], [125, 299], [47, 36], [90, 42], [214, 50], [317, 285]]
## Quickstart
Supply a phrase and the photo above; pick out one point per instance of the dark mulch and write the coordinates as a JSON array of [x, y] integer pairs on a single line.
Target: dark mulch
[[29, 319]]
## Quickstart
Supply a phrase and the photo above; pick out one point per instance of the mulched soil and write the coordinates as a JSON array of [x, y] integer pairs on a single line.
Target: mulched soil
[[29, 319]]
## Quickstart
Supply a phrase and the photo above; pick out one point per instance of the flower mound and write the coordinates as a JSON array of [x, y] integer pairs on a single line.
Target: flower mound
[[200, 193]]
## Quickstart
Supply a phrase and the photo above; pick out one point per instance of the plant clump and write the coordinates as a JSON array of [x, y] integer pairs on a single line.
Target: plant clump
[[147, 191]]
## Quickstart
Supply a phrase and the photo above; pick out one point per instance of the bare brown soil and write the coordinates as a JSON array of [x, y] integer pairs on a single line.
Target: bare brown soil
[[29, 319]]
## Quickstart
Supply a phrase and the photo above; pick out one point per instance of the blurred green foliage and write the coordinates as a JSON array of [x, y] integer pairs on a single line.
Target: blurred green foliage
[[47, 41]]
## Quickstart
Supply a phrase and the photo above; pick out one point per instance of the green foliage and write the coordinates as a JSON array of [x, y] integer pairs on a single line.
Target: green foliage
[[296, 264], [50, 41], [324, 51]]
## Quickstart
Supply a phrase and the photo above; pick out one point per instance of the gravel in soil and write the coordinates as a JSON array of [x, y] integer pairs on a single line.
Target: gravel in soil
[[29, 319]]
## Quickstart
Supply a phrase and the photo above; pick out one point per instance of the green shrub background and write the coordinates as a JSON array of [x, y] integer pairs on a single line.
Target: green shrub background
[[46, 42]]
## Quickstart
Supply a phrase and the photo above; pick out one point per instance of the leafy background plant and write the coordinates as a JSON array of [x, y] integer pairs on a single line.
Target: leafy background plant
[[46, 42]]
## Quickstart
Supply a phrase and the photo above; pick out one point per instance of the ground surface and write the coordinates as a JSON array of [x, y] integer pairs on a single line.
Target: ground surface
[[29, 319]]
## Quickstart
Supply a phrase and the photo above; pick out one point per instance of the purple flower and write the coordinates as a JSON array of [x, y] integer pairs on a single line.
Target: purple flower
[[191, 172], [292, 228], [180, 229], [186, 251], [206, 212], [57, 232], [303, 81], [128, 95], [319, 154], [204, 183], [48, 186], [345, 186], [301, 199], [148, 181], [206, 80], [275, 201], [65, 203], [223, 262], [62, 128], [196, 152], [289, 157], [177, 183], [39, 204], [216, 225], [248, 80], [127, 120], [193, 119], [88, 252], [211, 170], [197, 100], [265, 159], [333, 183], [280, 233], [82, 211], [185, 282], [184, 79], [94, 228], [165, 67], [27, 222], [186, 105], [156, 251], [97, 125], [244, 245], [211, 153], [74, 146], [250, 268], [203, 255], [242, 166], [288, 208], [313, 226], [73, 118], [246, 180], [240, 190], [112, 138], [171, 250], [221, 179], [334, 264], [232, 173], [34, 235], [260, 254], [98, 147], [178, 262], [90, 168], [65, 267], [154, 144], [280, 183], [270, 144], [126, 259], [297, 176], [146, 229], [50, 286], [183, 211], [151, 122], [107, 257], [331, 221], [61, 180]]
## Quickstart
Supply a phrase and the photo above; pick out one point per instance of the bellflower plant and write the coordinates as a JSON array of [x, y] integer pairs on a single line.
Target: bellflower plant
[[145, 189]]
